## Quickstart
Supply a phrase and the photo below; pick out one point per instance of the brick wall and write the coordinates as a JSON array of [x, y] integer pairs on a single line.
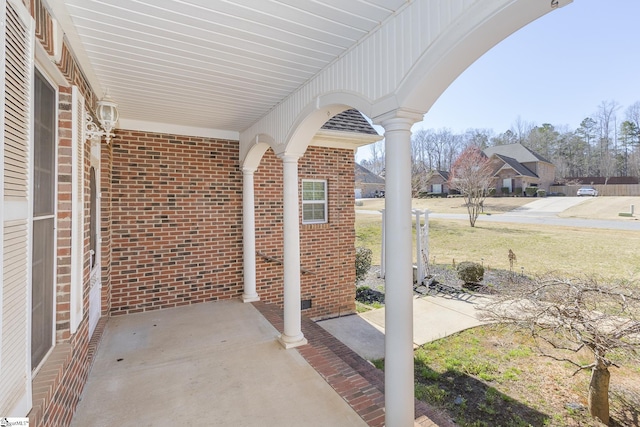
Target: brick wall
[[176, 211], [327, 251], [176, 234], [63, 226], [58, 384]]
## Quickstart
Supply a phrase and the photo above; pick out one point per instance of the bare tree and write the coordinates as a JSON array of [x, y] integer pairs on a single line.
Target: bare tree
[[521, 128], [420, 177], [477, 137], [565, 316], [376, 164], [606, 117], [632, 114], [472, 174]]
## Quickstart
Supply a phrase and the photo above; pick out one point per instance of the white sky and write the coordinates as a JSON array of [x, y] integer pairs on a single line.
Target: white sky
[[555, 70]]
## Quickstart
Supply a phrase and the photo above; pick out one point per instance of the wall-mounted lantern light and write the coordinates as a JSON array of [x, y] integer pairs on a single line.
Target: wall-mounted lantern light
[[107, 115]]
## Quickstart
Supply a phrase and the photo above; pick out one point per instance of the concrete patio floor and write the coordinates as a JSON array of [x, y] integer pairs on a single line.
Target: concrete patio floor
[[213, 364]]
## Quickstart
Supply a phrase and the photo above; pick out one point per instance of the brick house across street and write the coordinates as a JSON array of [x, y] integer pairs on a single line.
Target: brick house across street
[[171, 153], [518, 167]]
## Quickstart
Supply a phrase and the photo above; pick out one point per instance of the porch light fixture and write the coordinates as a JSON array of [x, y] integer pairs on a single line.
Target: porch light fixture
[[107, 115]]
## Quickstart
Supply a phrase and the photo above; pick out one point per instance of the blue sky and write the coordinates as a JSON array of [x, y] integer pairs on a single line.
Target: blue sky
[[555, 70]]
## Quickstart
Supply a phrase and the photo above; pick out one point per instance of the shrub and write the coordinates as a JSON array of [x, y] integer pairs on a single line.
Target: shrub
[[505, 190], [531, 191], [491, 192], [517, 191], [541, 193], [470, 272], [363, 263]]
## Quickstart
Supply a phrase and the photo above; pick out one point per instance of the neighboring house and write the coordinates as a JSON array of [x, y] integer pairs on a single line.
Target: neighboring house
[[368, 184], [517, 167], [438, 183], [218, 180]]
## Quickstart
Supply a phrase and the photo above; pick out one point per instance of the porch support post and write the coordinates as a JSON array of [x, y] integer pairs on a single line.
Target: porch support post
[[249, 236], [292, 335], [399, 376]]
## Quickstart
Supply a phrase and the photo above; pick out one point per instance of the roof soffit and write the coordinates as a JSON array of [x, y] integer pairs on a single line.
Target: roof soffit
[[211, 64]]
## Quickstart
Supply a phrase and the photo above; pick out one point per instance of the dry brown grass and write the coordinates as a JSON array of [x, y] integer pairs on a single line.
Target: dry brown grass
[[604, 208], [454, 205], [539, 249]]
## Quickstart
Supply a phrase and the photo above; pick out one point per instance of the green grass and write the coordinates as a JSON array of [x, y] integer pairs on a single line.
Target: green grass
[[490, 376], [540, 249]]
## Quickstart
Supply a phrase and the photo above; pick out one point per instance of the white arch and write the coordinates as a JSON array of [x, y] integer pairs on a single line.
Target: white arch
[[479, 29], [315, 115], [304, 127], [406, 64], [252, 158]]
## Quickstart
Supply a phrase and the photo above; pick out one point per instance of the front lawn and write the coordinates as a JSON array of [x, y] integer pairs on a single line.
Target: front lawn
[[490, 376], [539, 249]]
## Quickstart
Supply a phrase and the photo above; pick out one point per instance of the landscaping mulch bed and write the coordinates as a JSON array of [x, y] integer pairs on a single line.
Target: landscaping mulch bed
[[441, 279]]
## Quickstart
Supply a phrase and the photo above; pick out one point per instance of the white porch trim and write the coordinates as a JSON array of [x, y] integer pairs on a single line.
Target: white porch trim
[[249, 236], [398, 342], [292, 335]]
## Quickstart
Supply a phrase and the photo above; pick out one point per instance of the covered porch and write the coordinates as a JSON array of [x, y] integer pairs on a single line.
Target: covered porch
[[186, 195], [218, 363]]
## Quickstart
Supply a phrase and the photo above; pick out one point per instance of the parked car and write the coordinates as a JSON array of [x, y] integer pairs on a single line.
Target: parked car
[[587, 191]]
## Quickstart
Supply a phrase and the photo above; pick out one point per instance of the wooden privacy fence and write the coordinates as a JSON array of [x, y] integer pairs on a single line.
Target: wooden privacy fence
[[603, 190]]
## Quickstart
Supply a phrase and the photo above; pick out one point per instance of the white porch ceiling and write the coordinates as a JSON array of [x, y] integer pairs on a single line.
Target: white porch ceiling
[[213, 64]]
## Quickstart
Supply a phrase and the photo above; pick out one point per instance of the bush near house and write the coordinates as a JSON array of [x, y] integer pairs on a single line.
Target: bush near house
[[471, 273], [363, 262]]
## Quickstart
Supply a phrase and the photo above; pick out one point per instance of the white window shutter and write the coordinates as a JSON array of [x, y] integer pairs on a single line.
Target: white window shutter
[[15, 165], [77, 209]]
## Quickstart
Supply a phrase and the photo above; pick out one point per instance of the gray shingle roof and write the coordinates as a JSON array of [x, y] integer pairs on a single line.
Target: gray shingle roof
[[365, 175], [516, 151], [350, 121], [517, 166], [444, 175]]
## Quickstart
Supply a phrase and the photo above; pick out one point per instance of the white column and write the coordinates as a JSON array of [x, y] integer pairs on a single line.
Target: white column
[[399, 391], [419, 263], [382, 255], [292, 335], [249, 237]]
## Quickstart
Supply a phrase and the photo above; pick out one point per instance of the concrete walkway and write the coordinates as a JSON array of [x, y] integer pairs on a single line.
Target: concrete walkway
[[433, 317], [209, 364]]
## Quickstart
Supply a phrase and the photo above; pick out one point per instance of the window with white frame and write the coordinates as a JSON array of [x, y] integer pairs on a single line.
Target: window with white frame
[[314, 201]]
